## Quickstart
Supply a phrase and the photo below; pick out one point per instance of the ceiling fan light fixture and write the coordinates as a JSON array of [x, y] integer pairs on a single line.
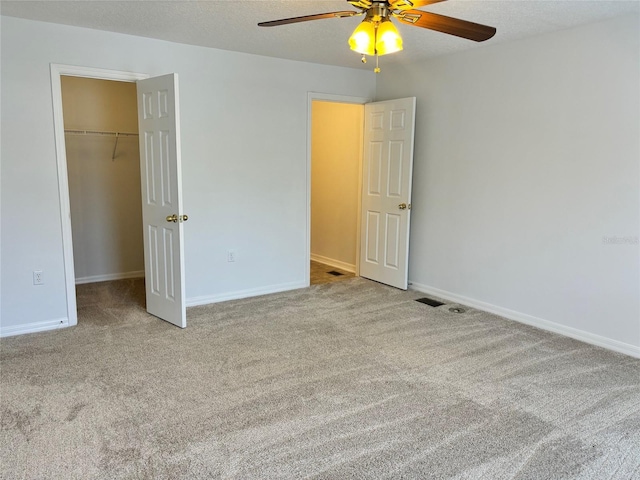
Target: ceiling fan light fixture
[[388, 40], [377, 35], [363, 38]]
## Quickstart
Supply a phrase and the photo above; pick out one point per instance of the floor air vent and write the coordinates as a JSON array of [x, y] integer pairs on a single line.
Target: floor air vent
[[334, 273], [429, 301], [457, 310]]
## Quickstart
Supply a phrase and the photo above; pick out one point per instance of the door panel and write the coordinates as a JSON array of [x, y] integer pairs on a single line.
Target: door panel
[[387, 172], [158, 122], [375, 166], [392, 234], [372, 236], [394, 176]]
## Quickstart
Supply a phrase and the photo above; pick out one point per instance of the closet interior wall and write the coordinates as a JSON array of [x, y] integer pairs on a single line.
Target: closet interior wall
[[103, 162], [336, 149]]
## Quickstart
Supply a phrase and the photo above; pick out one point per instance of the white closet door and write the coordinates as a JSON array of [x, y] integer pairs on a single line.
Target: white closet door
[[162, 216]]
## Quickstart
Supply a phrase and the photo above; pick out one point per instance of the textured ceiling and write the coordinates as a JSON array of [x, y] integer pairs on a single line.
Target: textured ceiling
[[231, 25]]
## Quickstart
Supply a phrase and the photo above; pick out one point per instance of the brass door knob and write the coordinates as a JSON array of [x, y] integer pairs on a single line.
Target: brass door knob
[[402, 206], [172, 218], [184, 218]]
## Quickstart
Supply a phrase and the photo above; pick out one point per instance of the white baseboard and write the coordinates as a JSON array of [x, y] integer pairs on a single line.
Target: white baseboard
[[252, 292], [109, 277], [333, 263], [34, 327], [581, 335]]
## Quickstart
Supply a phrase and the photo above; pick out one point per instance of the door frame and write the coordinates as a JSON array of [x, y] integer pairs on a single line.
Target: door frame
[[57, 71], [328, 97]]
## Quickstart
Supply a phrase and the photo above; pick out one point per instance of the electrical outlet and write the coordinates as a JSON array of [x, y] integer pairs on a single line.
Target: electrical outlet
[[38, 277], [231, 256]]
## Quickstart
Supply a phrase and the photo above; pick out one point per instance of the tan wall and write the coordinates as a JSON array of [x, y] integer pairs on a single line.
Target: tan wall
[[106, 212], [336, 149]]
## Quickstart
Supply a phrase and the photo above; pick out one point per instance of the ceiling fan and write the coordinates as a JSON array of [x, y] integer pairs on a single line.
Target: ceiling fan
[[376, 35]]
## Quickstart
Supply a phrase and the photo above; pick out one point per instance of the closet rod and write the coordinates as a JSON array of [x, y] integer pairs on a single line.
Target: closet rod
[[95, 132]]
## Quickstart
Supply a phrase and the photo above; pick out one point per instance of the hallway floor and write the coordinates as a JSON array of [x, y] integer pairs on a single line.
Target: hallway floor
[[320, 274]]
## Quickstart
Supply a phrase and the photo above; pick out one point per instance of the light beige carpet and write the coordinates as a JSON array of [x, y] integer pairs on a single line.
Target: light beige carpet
[[345, 380]]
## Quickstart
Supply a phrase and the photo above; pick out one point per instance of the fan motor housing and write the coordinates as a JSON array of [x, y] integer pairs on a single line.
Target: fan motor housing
[[377, 12]]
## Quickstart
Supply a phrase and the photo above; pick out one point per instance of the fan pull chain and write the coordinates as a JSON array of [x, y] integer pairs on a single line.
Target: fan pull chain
[[377, 69]]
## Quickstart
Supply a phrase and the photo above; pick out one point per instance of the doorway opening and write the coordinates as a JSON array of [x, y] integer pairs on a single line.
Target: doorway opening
[[58, 72], [336, 169], [160, 169], [385, 177], [103, 164], [336, 152]]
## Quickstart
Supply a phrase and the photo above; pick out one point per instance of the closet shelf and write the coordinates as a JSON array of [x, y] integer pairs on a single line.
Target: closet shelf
[[104, 134], [117, 136]]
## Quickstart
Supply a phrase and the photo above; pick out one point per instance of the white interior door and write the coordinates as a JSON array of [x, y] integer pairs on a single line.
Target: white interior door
[[386, 191], [162, 216]]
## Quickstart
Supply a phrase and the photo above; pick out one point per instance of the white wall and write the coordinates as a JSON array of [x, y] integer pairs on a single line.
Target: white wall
[[336, 150], [105, 191], [527, 157], [243, 152]]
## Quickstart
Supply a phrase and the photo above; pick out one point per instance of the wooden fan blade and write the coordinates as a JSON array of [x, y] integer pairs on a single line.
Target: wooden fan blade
[[306, 18], [452, 26], [364, 4], [406, 5]]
